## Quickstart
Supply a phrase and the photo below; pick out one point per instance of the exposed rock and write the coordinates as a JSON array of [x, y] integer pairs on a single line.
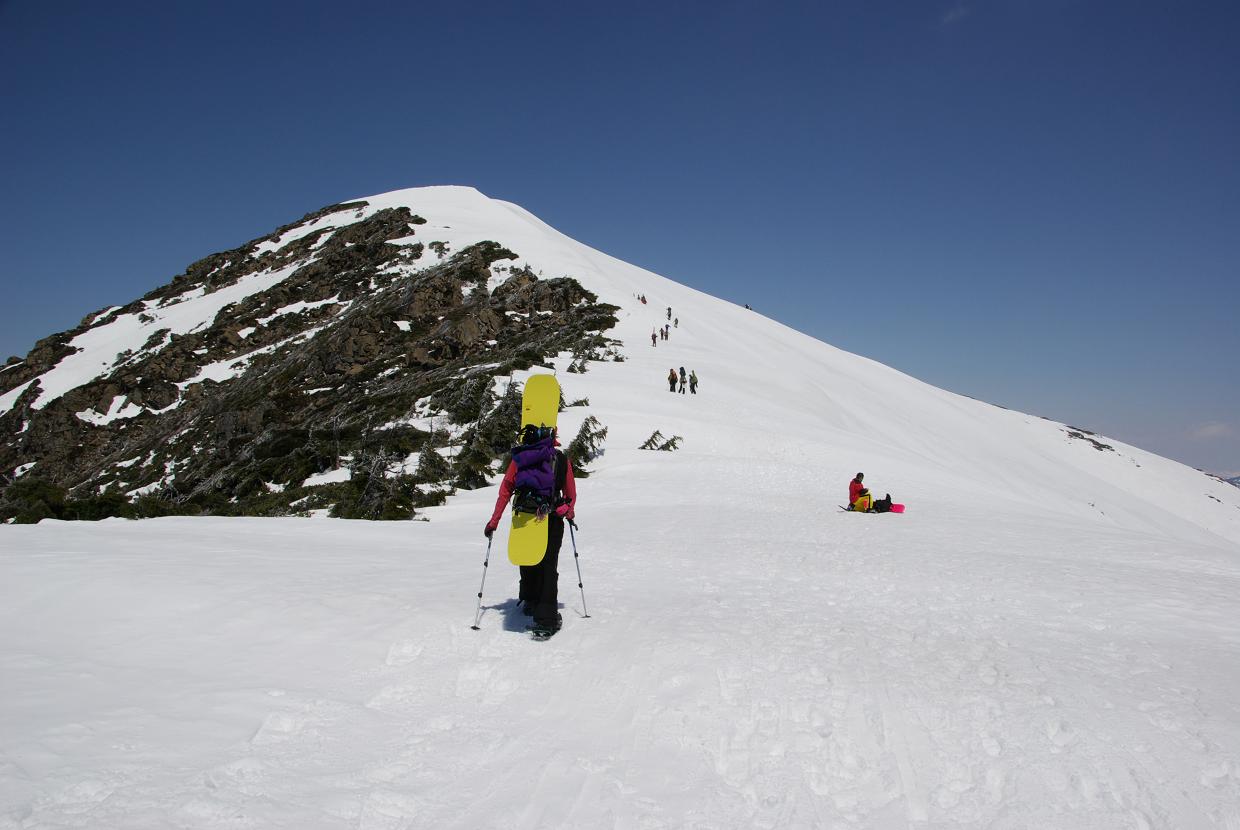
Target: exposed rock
[[307, 374]]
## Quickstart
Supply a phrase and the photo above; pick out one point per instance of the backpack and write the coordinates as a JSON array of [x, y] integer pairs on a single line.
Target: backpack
[[883, 505], [541, 472]]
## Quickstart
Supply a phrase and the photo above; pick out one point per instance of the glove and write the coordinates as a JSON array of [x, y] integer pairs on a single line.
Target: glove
[[564, 510], [490, 528]]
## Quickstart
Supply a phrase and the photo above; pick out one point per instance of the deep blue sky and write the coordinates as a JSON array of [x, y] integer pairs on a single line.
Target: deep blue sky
[[1033, 203]]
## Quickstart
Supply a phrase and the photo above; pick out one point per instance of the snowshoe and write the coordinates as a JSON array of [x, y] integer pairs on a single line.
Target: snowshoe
[[540, 632], [544, 630]]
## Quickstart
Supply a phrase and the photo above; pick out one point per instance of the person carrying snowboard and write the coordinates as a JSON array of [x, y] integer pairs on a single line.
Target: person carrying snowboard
[[671, 380], [539, 473], [858, 495], [684, 380]]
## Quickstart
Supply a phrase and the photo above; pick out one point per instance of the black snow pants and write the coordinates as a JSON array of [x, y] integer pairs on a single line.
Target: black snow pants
[[540, 584]]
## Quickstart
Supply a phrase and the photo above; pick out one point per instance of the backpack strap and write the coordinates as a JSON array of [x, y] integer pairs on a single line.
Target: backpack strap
[[561, 473]]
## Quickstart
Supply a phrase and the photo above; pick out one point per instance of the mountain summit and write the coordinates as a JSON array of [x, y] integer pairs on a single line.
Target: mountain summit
[[319, 366]]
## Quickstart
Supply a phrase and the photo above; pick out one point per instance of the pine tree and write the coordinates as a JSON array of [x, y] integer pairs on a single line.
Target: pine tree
[[468, 400], [671, 444], [500, 425], [432, 467], [587, 446], [656, 441], [473, 464]]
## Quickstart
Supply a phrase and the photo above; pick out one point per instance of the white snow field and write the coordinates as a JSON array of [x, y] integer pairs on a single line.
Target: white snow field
[[1049, 637]]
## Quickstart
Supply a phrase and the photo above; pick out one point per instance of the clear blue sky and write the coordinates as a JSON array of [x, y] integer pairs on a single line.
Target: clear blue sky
[[1032, 203]]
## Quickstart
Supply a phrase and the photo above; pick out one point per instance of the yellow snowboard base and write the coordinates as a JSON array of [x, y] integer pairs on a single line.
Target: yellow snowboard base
[[540, 405], [527, 541]]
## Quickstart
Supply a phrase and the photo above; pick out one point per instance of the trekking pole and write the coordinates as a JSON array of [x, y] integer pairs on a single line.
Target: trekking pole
[[571, 527], [485, 563]]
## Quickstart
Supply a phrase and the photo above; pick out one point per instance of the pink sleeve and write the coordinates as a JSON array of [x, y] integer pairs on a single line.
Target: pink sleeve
[[505, 492]]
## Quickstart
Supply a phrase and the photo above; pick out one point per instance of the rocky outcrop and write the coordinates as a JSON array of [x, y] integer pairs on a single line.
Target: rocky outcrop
[[323, 368]]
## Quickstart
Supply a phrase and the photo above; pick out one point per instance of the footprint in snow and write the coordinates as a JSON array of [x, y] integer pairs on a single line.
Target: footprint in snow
[[241, 775], [1060, 734], [277, 727], [403, 653], [386, 810]]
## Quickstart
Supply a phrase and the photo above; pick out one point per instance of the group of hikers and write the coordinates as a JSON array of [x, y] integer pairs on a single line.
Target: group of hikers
[[689, 380], [665, 331]]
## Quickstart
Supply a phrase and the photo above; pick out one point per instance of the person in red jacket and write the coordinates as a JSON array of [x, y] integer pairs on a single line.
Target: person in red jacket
[[858, 495], [539, 590]]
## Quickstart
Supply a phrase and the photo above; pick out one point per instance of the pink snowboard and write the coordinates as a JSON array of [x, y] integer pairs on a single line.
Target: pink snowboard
[[897, 508]]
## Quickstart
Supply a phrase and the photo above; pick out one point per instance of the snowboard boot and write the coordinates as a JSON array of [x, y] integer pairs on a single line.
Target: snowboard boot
[[542, 629]]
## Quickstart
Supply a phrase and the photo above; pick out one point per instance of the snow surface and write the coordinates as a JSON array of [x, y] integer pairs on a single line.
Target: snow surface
[[1046, 639]]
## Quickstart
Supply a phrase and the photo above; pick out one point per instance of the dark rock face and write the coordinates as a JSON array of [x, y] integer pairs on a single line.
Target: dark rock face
[[323, 370]]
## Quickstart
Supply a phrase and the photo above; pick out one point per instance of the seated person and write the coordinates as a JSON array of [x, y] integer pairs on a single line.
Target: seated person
[[858, 495]]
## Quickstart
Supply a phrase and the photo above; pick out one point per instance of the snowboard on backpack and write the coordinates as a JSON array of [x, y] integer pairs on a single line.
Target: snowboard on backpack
[[540, 405]]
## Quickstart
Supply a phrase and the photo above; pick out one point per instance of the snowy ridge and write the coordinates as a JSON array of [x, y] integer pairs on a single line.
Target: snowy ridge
[[938, 444], [1045, 639]]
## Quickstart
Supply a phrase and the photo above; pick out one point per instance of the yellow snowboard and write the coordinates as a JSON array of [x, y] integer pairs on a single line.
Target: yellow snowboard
[[540, 406], [527, 540], [540, 402]]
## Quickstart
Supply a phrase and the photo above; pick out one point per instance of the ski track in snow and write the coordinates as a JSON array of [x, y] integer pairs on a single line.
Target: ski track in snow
[[1001, 656]]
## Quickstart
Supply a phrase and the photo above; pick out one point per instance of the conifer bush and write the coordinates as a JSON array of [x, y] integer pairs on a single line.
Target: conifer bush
[[587, 446], [657, 441]]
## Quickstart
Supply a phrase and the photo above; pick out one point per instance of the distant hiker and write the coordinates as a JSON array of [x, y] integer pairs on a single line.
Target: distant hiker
[[643, 299], [669, 312], [671, 380], [684, 380], [539, 471], [747, 306], [693, 382], [676, 322], [858, 495], [654, 339]]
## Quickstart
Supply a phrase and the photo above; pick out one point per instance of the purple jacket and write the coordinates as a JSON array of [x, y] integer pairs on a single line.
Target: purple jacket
[[536, 465]]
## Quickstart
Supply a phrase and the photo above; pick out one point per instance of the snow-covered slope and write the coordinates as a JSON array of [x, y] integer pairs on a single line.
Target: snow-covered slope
[[1045, 639], [780, 394]]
